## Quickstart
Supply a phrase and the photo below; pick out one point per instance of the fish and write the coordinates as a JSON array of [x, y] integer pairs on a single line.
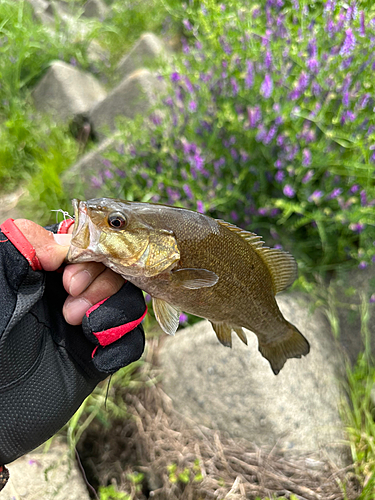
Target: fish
[[187, 261]]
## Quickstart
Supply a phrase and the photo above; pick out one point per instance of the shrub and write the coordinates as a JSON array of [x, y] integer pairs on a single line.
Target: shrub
[[270, 125]]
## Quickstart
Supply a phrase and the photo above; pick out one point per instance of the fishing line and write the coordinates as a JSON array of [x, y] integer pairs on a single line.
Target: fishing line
[[64, 213]]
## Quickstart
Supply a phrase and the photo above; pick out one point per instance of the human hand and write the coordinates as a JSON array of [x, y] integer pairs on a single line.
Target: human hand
[[86, 283]]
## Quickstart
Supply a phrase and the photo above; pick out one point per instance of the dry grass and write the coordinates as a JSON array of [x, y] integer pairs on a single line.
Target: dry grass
[[181, 461]]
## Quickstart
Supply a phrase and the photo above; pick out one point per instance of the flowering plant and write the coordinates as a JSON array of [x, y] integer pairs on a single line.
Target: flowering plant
[[270, 125]]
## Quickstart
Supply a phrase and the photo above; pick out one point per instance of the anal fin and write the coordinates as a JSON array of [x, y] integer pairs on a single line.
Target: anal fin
[[241, 334], [223, 333]]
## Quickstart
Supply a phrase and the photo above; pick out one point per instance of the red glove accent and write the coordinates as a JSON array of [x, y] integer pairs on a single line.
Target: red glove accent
[[23, 245], [64, 226], [106, 337]]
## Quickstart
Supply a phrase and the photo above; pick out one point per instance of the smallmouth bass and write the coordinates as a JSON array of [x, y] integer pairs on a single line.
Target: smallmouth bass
[[190, 262]]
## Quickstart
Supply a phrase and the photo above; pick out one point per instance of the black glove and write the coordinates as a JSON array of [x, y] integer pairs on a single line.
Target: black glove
[[48, 367]]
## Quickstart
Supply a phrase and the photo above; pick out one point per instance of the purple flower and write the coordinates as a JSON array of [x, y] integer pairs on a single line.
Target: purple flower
[[183, 318], [354, 189], [362, 30], [262, 133], [303, 82], [249, 78], [316, 88], [349, 43], [225, 46], [364, 100], [169, 101], [289, 191], [279, 177], [234, 216], [357, 227], [175, 77], [271, 134], [189, 85], [200, 207], [234, 84], [233, 153], [363, 198], [279, 163], [362, 265], [315, 197], [254, 116], [187, 24], [311, 48], [219, 163], [268, 60], [308, 177], [187, 191], [312, 65], [266, 87], [108, 174], [335, 193], [106, 163], [372, 298], [306, 157], [192, 106], [96, 182], [345, 99]]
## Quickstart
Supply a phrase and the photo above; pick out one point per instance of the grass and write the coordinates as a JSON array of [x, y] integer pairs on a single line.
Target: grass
[[359, 409]]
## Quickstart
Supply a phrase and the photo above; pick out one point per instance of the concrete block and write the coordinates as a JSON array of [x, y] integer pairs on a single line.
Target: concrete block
[[147, 50], [131, 97], [66, 91]]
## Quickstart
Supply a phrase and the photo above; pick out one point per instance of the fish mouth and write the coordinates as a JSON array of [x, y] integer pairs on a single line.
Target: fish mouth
[[84, 237]]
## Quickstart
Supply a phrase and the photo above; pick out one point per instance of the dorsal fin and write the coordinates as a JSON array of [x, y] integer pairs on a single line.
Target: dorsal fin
[[281, 265], [254, 240]]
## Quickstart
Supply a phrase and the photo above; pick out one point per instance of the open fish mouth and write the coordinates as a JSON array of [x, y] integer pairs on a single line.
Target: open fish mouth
[[85, 236]]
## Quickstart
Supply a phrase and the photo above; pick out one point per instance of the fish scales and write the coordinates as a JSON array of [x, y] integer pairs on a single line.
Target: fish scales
[[190, 262]]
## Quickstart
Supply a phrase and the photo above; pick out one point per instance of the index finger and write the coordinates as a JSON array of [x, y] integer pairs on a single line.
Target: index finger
[[50, 254]]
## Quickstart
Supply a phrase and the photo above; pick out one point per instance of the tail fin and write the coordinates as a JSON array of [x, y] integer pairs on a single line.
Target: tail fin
[[293, 346]]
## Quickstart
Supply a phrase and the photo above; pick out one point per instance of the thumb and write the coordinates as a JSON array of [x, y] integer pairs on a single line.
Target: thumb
[[50, 254]]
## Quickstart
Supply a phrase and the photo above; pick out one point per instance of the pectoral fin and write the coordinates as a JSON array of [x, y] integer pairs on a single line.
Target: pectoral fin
[[194, 278], [167, 316], [223, 333]]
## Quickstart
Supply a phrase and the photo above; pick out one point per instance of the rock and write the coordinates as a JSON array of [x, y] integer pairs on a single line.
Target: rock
[[147, 50], [95, 8], [52, 475], [234, 390], [66, 91], [92, 164], [8, 205], [135, 95], [41, 11]]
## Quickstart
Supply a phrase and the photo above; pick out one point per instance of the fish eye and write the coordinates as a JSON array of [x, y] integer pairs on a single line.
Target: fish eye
[[117, 220]]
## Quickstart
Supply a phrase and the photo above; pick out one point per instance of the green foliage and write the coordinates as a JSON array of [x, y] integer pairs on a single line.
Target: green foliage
[[111, 493], [359, 411], [185, 475], [126, 22], [29, 141], [269, 125]]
